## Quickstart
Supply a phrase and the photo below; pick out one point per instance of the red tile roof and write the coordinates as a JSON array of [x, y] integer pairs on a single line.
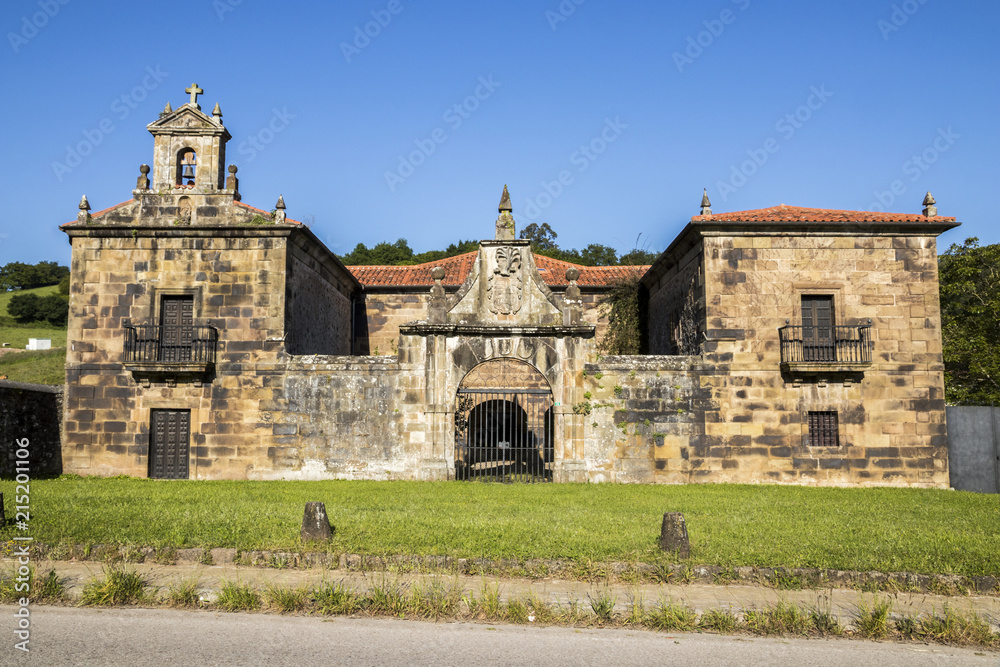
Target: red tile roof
[[100, 213], [457, 268], [783, 213]]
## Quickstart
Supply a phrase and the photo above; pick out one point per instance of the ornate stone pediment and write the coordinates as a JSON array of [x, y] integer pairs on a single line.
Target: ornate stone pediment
[[505, 285]]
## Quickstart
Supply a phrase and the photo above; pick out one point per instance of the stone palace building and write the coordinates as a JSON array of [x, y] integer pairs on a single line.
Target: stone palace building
[[209, 339]]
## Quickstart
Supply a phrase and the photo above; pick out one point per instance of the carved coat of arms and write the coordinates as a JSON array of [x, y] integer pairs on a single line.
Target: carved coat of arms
[[503, 291]]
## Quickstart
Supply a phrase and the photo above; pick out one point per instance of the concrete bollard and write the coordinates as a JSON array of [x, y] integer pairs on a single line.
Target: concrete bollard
[[674, 535], [315, 524]]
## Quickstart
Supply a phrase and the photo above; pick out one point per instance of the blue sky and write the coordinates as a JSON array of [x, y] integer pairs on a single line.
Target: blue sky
[[606, 119]]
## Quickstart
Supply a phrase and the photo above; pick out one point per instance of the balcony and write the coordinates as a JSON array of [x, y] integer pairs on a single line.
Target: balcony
[[185, 353], [838, 349]]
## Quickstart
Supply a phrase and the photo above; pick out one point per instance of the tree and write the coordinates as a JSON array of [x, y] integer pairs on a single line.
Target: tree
[[970, 322], [596, 254], [52, 308], [18, 275], [542, 236]]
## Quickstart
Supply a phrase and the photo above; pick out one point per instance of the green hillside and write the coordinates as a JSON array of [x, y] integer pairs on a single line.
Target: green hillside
[[17, 335]]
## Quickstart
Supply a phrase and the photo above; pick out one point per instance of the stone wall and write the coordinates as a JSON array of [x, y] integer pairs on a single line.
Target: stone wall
[[891, 412], [385, 312], [676, 310], [318, 301], [643, 419], [32, 412], [237, 282]]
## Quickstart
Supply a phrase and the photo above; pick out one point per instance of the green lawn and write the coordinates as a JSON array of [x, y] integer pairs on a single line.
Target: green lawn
[[42, 367], [730, 525]]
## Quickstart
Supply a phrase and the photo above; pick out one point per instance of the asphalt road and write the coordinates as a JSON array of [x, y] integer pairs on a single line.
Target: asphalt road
[[76, 636]]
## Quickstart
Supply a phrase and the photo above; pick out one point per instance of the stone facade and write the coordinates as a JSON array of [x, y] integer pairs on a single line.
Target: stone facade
[[213, 340]]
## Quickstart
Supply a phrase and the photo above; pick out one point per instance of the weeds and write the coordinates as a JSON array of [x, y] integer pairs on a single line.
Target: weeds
[[872, 617], [952, 627], [722, 621], [119, 586], [335, 599], [388, 598], [603, 605], [780, 619], [184, 593], [668, 615], [234, 596], [284, 599]]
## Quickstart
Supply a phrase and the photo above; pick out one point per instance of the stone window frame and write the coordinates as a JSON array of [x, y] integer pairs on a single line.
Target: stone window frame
[[157, 294], [842, 441], [831, 289]]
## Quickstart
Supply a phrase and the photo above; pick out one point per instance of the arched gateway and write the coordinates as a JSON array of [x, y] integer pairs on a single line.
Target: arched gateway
[[503, 423]]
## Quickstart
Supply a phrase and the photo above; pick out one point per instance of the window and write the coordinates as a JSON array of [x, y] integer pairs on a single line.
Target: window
[[823, 429], [818, 340]]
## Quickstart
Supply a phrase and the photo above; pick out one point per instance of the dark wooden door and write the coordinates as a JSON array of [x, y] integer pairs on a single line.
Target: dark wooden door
[[177, 328], [169, 444], [817, 329]]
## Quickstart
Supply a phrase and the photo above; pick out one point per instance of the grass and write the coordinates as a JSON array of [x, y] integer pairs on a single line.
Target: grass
[[889, 530], [234, 596], [117, 587], [42, 367], [18, 334]]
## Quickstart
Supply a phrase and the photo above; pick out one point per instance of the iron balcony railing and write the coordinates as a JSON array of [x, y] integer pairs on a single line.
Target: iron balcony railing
[[831, 345], [147, 343]]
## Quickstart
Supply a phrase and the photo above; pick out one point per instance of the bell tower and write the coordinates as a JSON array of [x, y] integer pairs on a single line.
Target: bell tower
[[189, 148]]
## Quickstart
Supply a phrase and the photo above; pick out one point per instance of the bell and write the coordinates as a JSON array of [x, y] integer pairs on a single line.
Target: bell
[[188, 171]]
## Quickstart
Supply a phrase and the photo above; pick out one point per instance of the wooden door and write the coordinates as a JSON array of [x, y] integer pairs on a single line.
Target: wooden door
[[169, 444], [818, 329], [176, 328]]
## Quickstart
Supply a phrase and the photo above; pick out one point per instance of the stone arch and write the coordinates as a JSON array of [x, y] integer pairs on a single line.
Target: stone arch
[[504, 423], [187, 166]]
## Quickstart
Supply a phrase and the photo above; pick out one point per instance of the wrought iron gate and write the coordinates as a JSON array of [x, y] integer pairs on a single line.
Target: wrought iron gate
[[504, 424]]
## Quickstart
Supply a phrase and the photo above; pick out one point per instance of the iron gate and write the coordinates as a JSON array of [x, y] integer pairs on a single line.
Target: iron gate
[[504, 424]]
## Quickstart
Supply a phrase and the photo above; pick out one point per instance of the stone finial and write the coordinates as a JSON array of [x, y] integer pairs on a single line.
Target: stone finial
[[573, 304], [706, 205], [194, 91], [438, 306], [142, 183], [217, 113], [279, 209], [505, 201], [315, 523], [437, 273], [232, 183], [505, 223], [930, 210], [166, 110], [84, 214]]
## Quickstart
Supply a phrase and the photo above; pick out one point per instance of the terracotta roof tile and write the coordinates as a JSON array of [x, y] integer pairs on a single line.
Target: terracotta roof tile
[[783, 213], [457, 268], [100, 213]]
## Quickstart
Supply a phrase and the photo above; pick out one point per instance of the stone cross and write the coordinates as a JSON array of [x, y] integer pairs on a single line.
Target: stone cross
[[195, 91]]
